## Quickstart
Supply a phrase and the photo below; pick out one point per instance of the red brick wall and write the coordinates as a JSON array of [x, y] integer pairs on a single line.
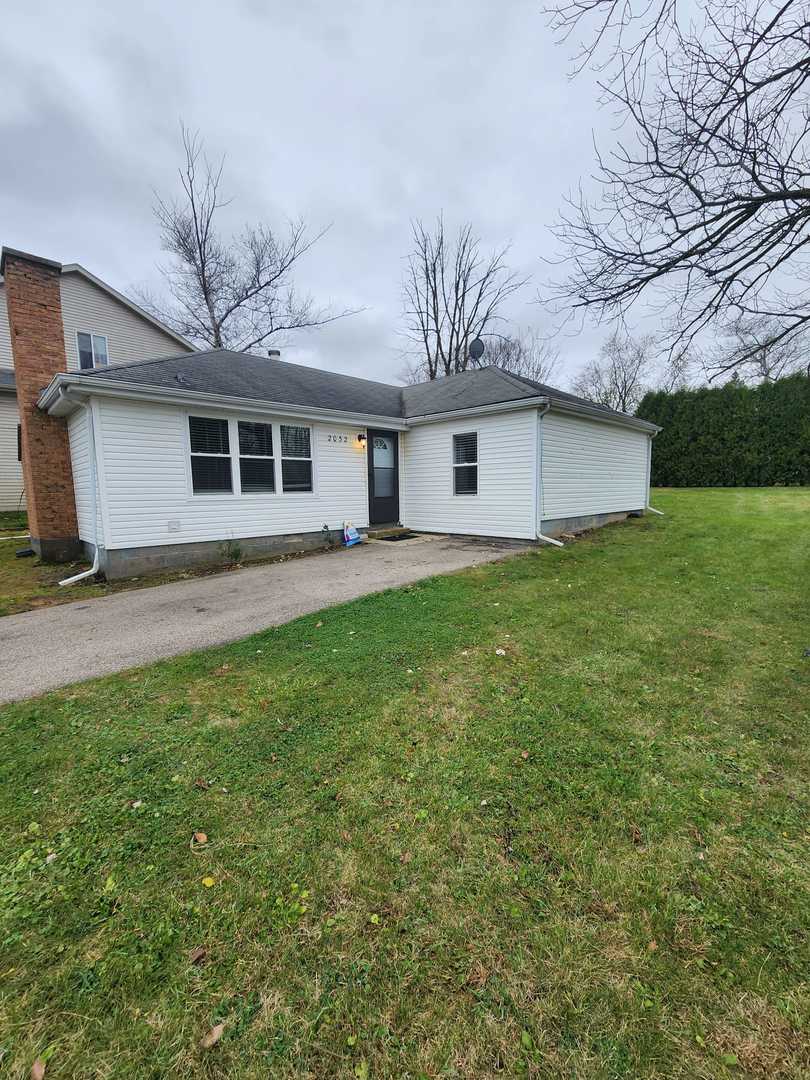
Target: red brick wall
[[38, 346]]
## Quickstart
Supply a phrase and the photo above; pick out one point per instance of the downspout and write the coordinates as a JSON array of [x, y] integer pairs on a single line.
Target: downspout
[[540, 536], [649, 475], [91, 438]]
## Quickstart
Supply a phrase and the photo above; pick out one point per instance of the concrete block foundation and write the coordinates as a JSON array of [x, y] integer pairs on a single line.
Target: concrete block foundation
[[559, 526], [117, 563]]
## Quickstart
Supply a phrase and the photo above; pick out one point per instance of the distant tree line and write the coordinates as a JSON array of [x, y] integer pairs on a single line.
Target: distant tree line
[[732, 435]]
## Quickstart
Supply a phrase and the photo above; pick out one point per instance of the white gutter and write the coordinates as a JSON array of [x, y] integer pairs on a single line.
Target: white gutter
[[91, 438], [606, 417], [541, 412]]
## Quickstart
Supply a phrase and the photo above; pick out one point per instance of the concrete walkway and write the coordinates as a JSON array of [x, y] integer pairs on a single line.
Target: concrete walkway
[[52, 647]]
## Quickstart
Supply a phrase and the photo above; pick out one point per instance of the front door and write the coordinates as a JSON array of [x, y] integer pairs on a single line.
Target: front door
[[383, 478]]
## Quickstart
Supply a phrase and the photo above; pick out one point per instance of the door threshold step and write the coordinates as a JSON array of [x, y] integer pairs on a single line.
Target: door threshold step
[[404, 535], [385, 532]]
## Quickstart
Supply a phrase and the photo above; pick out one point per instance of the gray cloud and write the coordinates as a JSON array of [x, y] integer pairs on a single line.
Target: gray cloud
[[361, 115]]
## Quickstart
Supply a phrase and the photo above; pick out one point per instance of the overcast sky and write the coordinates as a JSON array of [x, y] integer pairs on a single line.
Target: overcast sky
[[362, 115]]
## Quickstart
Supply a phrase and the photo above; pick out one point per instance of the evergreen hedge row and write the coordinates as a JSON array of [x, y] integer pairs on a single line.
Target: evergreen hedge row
[[733, 435]]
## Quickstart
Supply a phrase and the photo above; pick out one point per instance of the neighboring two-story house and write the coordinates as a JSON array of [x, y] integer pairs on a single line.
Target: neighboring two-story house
[[102, 328]]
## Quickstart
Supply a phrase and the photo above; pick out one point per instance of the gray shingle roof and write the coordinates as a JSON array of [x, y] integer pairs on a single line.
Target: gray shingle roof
[[261, 378]]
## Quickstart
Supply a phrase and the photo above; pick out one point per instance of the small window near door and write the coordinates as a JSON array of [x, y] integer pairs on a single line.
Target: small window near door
[[210, 455], [465, 463], [92, 350], [296, 458], [257, 470]]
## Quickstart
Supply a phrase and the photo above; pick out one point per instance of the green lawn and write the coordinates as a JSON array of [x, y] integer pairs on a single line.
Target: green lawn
[[585, 857]]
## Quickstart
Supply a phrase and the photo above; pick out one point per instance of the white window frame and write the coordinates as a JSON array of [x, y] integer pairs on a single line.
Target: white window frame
[[235, 478], [310, 459], [91, 334], [258, 457], [236, 494], [465, 464]]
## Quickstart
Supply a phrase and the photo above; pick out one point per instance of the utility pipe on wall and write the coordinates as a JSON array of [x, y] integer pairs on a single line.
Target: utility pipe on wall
[[541, 412], [91, 438]]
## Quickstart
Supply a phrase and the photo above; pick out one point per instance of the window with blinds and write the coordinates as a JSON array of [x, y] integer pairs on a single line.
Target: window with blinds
[[257, 467], [210, 455], [465, 463], [296, 458]]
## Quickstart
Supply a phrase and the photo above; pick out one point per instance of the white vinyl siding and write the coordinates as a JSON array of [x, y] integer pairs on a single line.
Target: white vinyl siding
[[590, 467], [90, 309], [78, 426], [505, 504], [11, 479], [147, 482], [87, 308]]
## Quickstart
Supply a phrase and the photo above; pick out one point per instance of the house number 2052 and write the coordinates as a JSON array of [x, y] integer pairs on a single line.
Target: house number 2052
[[337, 438]]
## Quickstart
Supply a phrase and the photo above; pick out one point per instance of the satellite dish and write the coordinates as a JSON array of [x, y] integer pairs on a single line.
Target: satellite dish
[[476, 348]]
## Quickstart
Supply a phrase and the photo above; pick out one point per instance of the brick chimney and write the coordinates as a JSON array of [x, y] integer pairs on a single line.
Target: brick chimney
[[38, 347]]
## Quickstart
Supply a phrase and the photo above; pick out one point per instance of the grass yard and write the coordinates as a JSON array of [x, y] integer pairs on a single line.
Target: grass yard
[[544, 818]]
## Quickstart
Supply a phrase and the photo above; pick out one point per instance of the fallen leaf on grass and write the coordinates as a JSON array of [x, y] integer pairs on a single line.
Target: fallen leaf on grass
[[199, 838], [201, 783], [525, 755], [212, 1037], [196, 956], [208, 882], [405, 857], [38, 1069]]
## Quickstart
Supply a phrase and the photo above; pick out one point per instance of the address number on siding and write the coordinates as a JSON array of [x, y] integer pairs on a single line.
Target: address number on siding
[[336, 437]]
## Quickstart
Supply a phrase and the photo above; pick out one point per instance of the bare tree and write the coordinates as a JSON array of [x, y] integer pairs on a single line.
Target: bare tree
[[233, 293], [524, 353], [452, 294], [706, 196], [676, 372], [754, 346], [618, 378]]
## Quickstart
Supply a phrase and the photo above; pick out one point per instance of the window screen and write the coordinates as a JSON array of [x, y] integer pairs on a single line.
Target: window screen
[[296, 458], [210, 455], [257, 470], [465, 463]]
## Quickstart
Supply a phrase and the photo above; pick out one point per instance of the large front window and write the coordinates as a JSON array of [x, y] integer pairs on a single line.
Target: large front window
[[238, 457]]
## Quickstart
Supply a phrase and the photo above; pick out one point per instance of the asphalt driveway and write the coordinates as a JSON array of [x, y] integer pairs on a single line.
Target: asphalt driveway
[[52, 647]]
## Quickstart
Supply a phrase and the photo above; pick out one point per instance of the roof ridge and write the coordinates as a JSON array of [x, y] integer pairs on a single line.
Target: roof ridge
[[512, 377]]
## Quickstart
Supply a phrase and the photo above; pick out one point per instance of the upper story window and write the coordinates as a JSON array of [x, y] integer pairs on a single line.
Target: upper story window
[[296, 458], [92, 350], [465, 463], [210, 455]]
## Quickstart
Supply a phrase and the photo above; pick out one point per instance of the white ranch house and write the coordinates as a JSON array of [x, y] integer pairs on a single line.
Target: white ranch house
[[174, 459]]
